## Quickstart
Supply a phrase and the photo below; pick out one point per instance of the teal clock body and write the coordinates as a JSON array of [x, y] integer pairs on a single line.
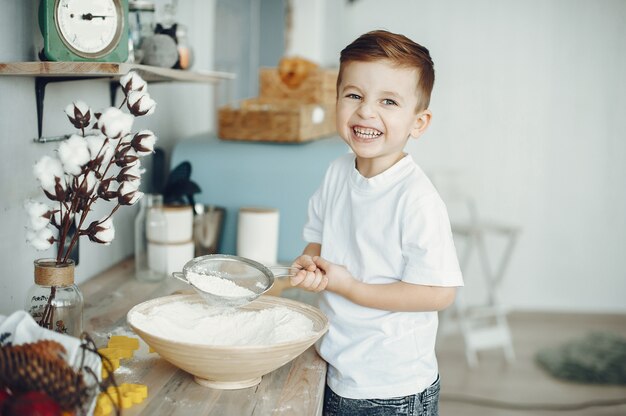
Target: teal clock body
[[84, 30]]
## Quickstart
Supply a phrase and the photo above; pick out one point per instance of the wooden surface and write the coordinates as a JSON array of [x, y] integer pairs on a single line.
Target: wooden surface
[[294, 389], [109, 69]]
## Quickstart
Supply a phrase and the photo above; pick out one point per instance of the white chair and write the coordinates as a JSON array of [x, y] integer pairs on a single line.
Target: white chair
[[483, 324]]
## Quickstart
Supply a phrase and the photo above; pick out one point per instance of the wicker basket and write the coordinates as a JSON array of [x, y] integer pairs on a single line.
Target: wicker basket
[[318, 87], [276, 121]]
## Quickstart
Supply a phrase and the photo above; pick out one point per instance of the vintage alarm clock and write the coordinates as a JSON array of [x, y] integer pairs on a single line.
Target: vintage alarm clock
[[84, 30]]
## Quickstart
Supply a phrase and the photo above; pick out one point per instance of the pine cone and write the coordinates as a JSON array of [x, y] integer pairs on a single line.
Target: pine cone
[[40, 366]]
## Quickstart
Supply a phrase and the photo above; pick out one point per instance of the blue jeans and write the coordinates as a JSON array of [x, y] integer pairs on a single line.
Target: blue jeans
[[425, 403]]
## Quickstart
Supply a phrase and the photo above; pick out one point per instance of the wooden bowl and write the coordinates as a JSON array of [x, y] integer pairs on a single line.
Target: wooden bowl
[[230, 367]]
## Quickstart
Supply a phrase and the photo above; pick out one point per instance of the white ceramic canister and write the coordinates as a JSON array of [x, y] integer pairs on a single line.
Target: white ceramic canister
[[178, 225], [169, 258], [257, 234]]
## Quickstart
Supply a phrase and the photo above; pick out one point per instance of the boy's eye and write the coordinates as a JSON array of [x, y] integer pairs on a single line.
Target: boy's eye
[[387, 101], [353, 96]]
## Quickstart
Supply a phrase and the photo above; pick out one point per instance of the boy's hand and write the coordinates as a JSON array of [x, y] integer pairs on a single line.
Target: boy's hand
[[305, 262], [311, 281], [338, 277], [309, 277]]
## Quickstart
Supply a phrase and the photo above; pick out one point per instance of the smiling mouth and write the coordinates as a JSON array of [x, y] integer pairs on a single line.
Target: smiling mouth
[[366, 133]]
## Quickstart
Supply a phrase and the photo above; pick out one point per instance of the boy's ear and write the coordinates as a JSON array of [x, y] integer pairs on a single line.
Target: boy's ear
[[422, 121]]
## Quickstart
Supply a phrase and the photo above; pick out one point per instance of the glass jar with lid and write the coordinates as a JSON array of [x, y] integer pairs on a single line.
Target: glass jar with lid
[[150, 219], [141, 21]]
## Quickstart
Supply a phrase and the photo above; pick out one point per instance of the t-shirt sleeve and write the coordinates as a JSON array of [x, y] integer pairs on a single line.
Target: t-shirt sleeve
[[427, 245], [312, 232]]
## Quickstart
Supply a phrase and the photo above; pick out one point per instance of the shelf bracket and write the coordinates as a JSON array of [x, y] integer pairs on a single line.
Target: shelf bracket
[[113, 87], [40, 94]]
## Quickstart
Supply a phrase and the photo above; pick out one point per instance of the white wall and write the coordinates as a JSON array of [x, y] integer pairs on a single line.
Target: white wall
[[530, 111], [183, 110], [309, 26]]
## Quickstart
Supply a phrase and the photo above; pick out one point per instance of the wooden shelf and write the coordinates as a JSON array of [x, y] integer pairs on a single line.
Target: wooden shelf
[[109, 70], [47, 72]]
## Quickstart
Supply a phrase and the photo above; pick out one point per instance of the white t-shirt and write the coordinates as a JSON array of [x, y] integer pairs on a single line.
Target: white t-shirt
[[384, 229]]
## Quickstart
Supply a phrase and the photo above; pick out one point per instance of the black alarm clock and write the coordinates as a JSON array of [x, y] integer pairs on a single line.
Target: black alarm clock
[[84, 30]]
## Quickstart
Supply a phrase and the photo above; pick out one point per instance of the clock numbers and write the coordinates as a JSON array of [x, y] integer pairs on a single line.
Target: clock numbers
[[90, 28]]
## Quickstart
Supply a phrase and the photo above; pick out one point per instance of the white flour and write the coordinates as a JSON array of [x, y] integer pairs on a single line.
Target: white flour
[[198, 323], [217, 285]]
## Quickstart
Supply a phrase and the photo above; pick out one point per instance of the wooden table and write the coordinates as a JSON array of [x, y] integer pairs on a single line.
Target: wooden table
[[294, 389]]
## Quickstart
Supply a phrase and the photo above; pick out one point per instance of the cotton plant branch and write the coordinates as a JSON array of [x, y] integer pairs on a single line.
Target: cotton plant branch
[[77, 177], [82, 171]]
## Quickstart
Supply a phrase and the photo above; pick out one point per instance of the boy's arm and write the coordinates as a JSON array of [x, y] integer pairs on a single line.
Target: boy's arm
[[312, 249], [398, 296]]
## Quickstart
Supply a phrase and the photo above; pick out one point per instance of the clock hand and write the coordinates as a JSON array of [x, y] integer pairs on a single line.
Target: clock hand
[[90, 16]]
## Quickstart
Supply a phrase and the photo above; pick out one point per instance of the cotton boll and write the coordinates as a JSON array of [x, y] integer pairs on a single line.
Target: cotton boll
[[126, 157], [74, 154], [131, 173], [100, 148], [143, 142], [107, 189], [39, 214], [127, 187], [114, 123], [79, 114], [139, 103], [40, 239], [136, 197], [86, 184], [101, 231], [128, 193], [46, 170], [133, 82], [49, 173]]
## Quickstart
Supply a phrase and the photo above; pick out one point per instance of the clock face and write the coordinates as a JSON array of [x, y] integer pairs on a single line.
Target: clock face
[[89, 28]]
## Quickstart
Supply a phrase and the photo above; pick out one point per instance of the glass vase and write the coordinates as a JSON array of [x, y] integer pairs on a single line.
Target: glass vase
[[141, 25], [54, 301], [149, 219]]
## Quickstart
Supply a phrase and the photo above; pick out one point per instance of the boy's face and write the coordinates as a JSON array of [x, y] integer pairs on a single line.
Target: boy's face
[[376, 113]]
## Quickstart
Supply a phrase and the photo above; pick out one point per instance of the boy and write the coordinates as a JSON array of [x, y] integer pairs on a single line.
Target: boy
[[380, 249]]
